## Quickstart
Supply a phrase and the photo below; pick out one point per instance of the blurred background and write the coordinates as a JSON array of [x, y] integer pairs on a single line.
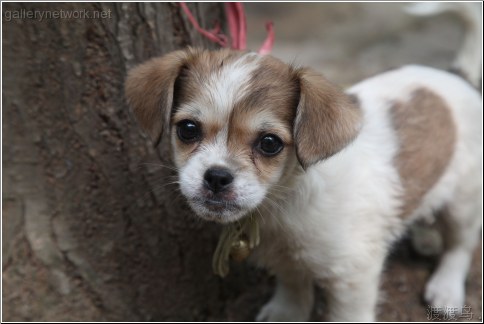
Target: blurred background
[[350, 41]]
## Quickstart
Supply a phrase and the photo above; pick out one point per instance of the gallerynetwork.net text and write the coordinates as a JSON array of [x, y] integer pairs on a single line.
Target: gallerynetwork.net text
[[40, 15]]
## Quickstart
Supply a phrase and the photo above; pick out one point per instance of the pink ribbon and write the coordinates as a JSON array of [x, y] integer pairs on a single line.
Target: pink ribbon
[[237, 28]]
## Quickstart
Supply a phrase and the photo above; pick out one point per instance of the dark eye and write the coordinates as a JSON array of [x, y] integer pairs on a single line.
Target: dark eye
[[188, 131], [270, 145]]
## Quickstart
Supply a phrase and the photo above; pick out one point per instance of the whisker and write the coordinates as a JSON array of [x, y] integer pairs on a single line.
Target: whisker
[[260, 214], [164, 178], [173, 168], [278, 221], [165, 185]]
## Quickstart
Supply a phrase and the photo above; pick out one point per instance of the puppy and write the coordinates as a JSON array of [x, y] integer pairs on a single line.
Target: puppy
[[334, 177]]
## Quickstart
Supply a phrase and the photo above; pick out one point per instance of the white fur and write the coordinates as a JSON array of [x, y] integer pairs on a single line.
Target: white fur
[[224, 88]]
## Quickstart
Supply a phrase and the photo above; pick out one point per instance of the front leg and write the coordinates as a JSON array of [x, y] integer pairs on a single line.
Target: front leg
[[353, 298], [292, 300]]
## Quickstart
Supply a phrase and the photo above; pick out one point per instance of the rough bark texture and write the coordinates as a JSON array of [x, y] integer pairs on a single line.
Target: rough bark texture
[[92, 228]]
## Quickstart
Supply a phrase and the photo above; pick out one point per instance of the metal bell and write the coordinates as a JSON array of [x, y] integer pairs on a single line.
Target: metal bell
[[239, 251]]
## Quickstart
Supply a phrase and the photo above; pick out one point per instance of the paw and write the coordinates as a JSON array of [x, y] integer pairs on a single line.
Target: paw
[[446, 293], [275, 311]]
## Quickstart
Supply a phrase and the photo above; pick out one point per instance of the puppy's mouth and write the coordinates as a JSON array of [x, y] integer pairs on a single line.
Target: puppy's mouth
[[218, 210], [218, 205]]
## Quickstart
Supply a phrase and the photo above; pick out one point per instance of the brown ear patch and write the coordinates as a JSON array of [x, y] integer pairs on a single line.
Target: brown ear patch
[[326, 120], [149, 91], [427, 136]]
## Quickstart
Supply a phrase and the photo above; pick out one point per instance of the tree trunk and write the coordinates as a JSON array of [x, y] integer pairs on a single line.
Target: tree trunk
[[94, 228]]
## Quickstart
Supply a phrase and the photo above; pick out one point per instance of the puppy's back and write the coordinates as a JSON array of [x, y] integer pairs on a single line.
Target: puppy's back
[[437, 128]]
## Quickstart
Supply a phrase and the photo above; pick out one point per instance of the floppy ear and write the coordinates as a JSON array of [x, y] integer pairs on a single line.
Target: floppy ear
[[326, 119], [149, 90]]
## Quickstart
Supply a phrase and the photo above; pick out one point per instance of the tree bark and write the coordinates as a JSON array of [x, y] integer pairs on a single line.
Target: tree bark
[[94, 227]]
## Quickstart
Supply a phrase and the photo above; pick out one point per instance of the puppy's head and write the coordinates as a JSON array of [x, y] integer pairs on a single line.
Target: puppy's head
[[238, 122]]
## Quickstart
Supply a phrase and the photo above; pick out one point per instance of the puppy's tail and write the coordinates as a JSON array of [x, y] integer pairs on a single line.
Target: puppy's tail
[[468, 61]]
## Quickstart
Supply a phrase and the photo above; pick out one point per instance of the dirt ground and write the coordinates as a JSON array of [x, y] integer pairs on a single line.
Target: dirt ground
[[348, 42]]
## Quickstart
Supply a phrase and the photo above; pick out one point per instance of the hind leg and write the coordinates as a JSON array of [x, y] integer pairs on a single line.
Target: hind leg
[[462, 219]]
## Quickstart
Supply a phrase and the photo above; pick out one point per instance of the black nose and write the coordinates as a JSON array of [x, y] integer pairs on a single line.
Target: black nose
[[217, 179]]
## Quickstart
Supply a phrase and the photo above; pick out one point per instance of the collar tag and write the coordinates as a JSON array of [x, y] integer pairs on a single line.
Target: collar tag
[[236, 242]]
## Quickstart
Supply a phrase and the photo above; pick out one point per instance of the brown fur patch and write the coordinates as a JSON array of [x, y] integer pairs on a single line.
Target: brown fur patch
[[327, 120], [427, 136], [269, 107], [272, 86], [243, 141]]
